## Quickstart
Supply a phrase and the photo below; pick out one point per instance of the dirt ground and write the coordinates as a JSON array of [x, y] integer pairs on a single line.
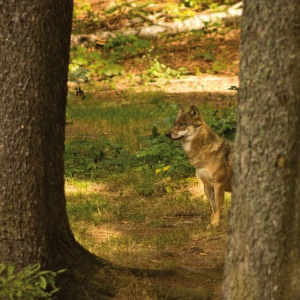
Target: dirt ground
[[199, 264]]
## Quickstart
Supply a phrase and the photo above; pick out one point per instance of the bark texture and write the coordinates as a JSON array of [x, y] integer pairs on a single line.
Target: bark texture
[[34, 61], [34, 227], [263, 258]]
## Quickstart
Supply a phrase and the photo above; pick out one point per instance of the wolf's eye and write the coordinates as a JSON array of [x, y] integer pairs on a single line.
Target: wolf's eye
[[182, 125]]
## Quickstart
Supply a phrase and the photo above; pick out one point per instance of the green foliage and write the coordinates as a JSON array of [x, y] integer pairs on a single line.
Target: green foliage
[[190, 3], [222, 120], [79, 75], [162, 154], [28, 283], [93, 158], [126, 46], [84, 63], [218, 66], [158, 70]]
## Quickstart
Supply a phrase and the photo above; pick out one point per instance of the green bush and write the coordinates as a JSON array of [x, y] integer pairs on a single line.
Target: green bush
[[86, 63], [28, 283], [158, 70], [123, 46]]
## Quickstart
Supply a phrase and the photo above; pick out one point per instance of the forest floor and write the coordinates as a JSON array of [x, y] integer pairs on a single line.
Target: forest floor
[[189, 264]]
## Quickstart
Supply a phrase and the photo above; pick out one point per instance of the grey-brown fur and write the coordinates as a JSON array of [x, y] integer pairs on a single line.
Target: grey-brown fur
[[211, 155]]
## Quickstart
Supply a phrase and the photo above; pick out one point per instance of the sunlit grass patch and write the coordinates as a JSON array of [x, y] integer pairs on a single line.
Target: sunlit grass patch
[[74, 186]]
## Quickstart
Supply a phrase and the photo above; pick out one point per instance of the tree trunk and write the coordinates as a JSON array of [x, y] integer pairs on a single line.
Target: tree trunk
[[263, 259], [35, 40]]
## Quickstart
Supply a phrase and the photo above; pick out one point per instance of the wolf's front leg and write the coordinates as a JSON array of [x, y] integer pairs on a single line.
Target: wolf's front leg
[[209, 192], [219, 198]]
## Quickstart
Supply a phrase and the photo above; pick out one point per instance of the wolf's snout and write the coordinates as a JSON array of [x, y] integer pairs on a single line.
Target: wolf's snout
[[169, 134]]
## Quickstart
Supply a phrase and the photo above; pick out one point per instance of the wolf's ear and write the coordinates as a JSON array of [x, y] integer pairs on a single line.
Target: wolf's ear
[[181, 108], [194, 111]]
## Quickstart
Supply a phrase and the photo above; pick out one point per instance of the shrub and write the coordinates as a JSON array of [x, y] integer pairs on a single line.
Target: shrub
[[28, 283]]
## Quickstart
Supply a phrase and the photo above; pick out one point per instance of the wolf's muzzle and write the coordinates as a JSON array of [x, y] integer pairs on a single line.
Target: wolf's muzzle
[[169, 135]]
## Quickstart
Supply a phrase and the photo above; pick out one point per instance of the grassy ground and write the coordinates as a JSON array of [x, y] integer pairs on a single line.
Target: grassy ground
[[133, 199]]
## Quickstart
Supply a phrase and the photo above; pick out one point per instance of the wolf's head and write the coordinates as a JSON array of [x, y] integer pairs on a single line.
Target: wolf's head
[[186, 123]]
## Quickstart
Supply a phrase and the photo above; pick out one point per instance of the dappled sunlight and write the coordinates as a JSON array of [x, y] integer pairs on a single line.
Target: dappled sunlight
[[104, 233], [74, 187]]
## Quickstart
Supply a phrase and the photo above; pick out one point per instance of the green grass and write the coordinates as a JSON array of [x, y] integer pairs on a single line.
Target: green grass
[[121, 124]]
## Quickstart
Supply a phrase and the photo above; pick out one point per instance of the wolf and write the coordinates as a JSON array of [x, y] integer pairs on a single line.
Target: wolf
[[211, 155]]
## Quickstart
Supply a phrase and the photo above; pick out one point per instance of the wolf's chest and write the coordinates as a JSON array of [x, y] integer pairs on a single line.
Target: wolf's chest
[[205, 176], [195, 153]]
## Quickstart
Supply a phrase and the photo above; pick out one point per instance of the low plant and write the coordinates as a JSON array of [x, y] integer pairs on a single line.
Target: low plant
[[124, 46], [163, 156], [223, 120], [159, 70], [28, 283], [88, 62], [91, 62], [218, 66], [78, 75]]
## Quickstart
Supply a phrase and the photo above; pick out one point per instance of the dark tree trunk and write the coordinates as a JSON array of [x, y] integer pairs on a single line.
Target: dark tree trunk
[[34, 62], [263, 258], [34, 57]]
